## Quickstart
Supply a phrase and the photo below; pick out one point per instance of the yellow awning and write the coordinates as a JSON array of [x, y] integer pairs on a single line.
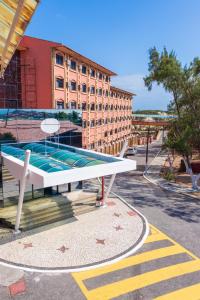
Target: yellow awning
[[14, 17]]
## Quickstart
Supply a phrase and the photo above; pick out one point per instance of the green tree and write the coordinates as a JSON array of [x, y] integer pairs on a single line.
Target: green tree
[[7, 137], [183, 83]]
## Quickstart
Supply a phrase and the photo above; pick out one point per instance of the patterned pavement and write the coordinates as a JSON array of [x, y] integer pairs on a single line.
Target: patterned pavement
[[83, 243]]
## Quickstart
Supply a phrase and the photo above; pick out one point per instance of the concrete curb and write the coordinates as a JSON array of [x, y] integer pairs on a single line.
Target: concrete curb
[[156, 182]]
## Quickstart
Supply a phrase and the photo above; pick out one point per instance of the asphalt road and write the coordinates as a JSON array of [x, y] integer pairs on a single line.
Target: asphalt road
[[175, 214], [161, 266]]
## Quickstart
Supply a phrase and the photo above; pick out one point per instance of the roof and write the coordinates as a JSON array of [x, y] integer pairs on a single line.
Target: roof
[[71, 52], [84, 59], [69, 164], [22, 129], [116, 89], [14, 18]]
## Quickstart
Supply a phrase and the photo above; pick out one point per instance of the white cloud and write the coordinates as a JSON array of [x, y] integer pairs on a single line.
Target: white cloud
[[156, 99]]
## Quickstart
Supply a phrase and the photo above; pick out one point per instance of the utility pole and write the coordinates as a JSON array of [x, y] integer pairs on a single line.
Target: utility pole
[[147, 150]]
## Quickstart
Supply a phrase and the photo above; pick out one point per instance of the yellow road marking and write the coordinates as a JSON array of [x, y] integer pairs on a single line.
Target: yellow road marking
[[130, 261], [131, 284], [191, 292], [153, 230], [142, 280], [155, 238], [174, 242]]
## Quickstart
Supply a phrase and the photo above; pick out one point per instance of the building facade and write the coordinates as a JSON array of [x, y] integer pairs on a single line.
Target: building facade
[[55, 76]]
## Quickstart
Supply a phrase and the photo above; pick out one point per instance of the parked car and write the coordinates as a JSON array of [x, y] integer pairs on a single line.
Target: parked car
[[131, 151]]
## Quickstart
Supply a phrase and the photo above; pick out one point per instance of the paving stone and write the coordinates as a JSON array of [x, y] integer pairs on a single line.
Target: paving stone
[[4, 293], [17, 287], [9, 276]]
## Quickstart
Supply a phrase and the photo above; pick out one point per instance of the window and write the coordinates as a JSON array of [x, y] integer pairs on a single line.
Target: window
[[84, 123], [107, 78], [60, 105], [92, 72], [106, 93], [84, 69], [73, 64], [59, 83], [59, 59], [73, 105], [100, 92], [106, 133], [84, 106], [92, 90], [100, 76], [73, 86], [99, 122], [106, 107], [92, 106], [100, 106], [84, 88], [92, 123]]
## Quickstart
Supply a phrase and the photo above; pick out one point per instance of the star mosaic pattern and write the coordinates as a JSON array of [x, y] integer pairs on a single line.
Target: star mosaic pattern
[[116, 215], [98, 241], [131, 213], [117, 228], [110, 203], [28, 245], [63, 249]]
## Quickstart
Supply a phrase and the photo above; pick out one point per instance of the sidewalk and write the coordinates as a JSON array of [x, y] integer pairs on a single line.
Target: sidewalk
[[153, 176]]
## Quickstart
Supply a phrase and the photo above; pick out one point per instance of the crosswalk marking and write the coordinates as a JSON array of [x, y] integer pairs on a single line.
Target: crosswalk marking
[[130, 261], [154, 238], [190, 292], [157, 231], [131, 284]]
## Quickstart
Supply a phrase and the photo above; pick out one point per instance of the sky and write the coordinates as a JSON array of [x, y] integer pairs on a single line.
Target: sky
[[118, 34]]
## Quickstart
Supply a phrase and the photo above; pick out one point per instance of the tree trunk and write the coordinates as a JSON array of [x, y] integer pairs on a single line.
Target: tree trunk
[[194, 177], [170, 161]]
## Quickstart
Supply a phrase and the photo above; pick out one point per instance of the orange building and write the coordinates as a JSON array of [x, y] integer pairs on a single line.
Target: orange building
[[51, 75]]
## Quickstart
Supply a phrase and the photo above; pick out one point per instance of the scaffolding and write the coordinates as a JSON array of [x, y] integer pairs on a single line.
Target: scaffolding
[[10, 84], [18, 87]]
